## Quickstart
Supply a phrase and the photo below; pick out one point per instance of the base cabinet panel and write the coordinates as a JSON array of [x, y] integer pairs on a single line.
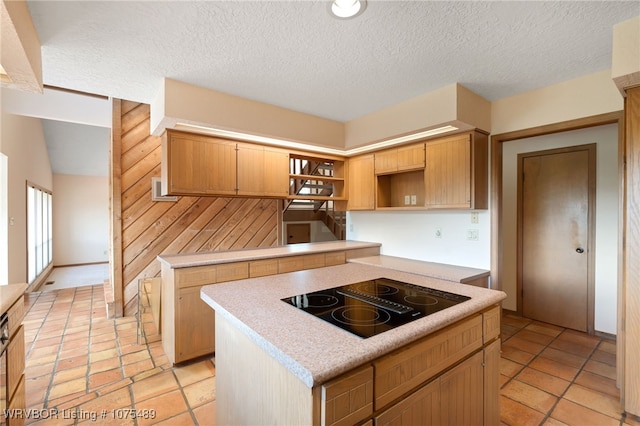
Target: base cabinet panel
[[461, 393], [422, 407], [195, 333]]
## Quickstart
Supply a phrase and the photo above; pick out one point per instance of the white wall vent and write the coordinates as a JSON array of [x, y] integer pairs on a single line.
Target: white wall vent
[[156, 191]]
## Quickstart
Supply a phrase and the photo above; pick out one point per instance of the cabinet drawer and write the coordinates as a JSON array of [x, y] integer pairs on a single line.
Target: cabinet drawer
[[196, 276], [490, 324], [406, 369], [15, 315], [337, 258], [15, 361], [312, 261], [261, 268], [232, 271], [290, 264], [348, 399]]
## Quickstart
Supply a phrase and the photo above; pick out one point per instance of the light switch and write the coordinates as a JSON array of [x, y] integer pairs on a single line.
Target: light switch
[[414, 200], [407, 200]]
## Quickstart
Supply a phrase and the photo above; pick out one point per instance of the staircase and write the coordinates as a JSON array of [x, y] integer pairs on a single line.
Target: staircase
[[311, 184]]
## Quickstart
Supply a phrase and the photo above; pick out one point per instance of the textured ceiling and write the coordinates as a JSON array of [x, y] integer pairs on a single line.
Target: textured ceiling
[[293, 54]]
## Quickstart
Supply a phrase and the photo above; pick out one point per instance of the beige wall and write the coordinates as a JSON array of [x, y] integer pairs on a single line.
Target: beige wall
[[586, 96], [80, 219], [24, 145]]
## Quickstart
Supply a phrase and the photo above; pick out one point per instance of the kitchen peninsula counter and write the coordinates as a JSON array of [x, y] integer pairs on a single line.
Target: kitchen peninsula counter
[[259, 333], [460, 274], [188, 260], [9, 294]]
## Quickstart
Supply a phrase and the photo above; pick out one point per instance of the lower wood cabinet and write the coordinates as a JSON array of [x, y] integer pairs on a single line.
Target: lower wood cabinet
[[188, 323], [449, 377], [15, 356]]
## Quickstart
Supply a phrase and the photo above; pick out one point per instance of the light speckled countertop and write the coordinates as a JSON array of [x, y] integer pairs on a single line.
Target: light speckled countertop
[[9, 294], [212, 258], [314, 350], [459, 274]]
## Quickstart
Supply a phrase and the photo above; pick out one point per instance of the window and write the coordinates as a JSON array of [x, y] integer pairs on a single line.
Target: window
[[39, 231]]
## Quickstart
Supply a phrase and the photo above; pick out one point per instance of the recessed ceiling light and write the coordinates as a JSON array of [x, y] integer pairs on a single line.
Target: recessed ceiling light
[[346, 9]]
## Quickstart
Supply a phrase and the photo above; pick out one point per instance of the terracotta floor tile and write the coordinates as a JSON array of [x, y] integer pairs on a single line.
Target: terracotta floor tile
[[103, 355], [102, 346], [554, 368], [524, 345], [600, 402], [200, 392], [528, 395], [153, 386], [77, 361], [632, 420], [602, 369], [104, 365], [546, 382], [70, 374], [598, 383], [195, 372], [543, 328], [580, 338], [515, 321], [130, 370], [98, 380], [510, 368], [532, 336], [65, 388], [604, 357], [183, 419], [563, 357], [40, 370], [135, 357], [206, 414], [162, 406], [515, 414], [608, 346], [572, 348], [574, 414], [117, 399], [516, 355]]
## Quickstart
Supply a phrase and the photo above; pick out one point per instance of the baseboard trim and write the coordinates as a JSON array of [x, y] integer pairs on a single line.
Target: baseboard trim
[[81, 264]]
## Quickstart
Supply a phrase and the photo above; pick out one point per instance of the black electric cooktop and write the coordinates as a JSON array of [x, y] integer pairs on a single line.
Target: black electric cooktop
[[372, 307]]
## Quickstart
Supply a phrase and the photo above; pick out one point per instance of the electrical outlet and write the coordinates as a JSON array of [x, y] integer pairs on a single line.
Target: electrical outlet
[[472, 234], [351, 227], [414, 200], [438, 232], [407, 200], [474, 217]]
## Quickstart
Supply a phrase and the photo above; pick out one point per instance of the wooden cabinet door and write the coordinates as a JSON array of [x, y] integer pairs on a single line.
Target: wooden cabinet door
[[411, 157], [420, 408], [361, 183], [276, 172], [195, 325], [448, 173], [250, 169], [461, 393], [386, 161], [492, 383], [198, 165]]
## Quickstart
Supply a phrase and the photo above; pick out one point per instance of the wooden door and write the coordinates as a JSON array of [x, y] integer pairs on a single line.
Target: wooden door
[[461, 393], [298, 233], [556, 202]]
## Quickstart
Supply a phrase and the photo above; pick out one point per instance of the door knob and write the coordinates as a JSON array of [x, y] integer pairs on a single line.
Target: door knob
[[580, 250]]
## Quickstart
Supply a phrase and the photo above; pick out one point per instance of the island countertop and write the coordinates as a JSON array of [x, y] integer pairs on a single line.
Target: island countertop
[[312, 349], [187, 260]]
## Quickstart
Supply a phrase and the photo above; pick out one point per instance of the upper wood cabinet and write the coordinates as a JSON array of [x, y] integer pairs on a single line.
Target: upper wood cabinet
[[361, 183], [456, 172], [404, 158], [205, 165]]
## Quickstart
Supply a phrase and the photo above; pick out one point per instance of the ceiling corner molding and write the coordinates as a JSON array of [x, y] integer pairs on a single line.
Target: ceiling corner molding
[[21, 55]]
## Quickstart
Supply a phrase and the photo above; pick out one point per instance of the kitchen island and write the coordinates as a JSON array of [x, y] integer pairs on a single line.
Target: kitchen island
[[276, 364]]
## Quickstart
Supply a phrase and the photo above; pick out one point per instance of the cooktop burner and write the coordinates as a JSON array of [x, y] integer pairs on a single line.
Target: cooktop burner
[[371, 307]]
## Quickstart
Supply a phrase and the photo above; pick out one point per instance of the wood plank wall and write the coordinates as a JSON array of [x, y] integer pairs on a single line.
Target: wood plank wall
[[192, 224]]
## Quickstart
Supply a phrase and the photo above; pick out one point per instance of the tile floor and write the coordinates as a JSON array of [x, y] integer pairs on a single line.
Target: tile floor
[[555, 376], [81, 364]]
